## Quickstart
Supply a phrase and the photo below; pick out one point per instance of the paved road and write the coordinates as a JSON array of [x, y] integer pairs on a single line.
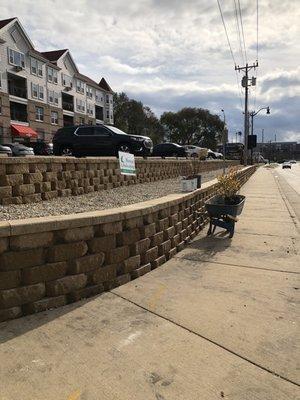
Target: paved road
[[218, 321], [289, 183]]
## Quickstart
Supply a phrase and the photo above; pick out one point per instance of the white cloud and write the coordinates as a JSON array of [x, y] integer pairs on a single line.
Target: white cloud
[[173, 53]]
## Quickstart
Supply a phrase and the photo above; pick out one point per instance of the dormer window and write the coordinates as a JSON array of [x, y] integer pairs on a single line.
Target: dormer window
[[67, 81], [36, 67], [16, 58], [52, 75], [89, 92]]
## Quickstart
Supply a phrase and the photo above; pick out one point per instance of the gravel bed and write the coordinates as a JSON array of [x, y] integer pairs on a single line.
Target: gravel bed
[[101, 200]]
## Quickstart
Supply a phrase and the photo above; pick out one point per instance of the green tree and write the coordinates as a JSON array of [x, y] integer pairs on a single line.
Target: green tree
[[193, 126], [134, 118]]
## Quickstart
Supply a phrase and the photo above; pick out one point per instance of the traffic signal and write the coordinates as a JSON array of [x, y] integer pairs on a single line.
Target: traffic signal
[[252, 141]]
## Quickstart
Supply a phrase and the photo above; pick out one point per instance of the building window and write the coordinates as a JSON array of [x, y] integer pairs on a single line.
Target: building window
[[79, 86], [39, 114], [89, 92], [16, 58], [54, 117], [81, 121], [37, 91], [107, 98], [56, 98], [89, 108], [67, 80], [51, 96], [36, 67], [107, 113], [52, 75], [99, 97], [80, 105]]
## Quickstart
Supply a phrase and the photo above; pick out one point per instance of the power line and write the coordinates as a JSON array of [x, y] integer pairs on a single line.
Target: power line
[[238, 31], [256, 73], [225, 29], [242, 26]]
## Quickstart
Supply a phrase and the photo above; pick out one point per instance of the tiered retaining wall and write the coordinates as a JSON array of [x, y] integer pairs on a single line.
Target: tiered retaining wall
[[51, 261], [33, 179]]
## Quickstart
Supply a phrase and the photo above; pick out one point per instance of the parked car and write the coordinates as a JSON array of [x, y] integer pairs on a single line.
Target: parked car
[[211, 155], [5, 150], [42, 148], [99, 140], [196, 151], [293, 161], [19, 150], [219, 156], [287, 164], [169, 150]]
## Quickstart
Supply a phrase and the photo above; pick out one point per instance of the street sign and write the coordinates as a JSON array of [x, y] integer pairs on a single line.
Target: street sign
[[127, 164]]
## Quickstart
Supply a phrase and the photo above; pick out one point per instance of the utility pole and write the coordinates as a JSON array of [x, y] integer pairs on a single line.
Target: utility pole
[[262, 135], [246, 84], [224, 143]]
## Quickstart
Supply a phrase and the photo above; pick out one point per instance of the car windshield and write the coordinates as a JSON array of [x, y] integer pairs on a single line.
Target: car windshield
[[116, 130]]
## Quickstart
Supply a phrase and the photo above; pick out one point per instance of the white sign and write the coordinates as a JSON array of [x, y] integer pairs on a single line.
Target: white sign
[[127, 163]]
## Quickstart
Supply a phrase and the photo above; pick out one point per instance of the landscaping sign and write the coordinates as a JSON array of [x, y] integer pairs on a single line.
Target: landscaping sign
[[127, 164]]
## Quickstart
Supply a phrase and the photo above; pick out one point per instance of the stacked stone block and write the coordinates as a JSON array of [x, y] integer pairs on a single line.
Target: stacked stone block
[[52, 262], [28, 180]]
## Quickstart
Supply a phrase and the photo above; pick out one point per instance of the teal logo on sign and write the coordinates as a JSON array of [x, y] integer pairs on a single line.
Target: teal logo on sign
[[127, 163]]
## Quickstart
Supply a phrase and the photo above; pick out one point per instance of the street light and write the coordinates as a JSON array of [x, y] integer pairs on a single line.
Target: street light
[[252, 115], [224, 142]]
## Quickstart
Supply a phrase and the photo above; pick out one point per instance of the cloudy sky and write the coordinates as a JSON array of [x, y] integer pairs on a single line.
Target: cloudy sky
[[173, 53]]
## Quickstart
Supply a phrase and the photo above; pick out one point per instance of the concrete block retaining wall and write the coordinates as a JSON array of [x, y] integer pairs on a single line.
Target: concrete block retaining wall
[[33, 179], [51, 261]]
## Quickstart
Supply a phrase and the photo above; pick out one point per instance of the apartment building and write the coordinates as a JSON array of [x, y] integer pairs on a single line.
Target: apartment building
[[42, 91]]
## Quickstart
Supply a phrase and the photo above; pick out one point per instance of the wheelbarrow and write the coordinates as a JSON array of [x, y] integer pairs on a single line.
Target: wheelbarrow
[[222, 214]]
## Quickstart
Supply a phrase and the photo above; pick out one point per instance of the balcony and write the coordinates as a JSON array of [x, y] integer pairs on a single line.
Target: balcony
[[99, 113], [17, 86], [67, 102], [18, 112]]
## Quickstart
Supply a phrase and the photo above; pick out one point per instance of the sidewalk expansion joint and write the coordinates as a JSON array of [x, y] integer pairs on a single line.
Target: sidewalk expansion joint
[[209, 340], [235, 265]]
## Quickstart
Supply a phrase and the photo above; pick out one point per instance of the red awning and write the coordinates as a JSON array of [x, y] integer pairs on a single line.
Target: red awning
[[23, 131]]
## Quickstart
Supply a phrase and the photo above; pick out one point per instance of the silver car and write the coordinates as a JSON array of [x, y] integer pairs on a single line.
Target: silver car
[[5, 150], [19, 150]]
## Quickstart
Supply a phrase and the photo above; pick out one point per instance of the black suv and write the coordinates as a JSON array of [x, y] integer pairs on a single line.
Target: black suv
[[98, 140]]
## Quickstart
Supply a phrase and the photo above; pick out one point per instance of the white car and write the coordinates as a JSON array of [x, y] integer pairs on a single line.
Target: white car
[[196, 151], [287, 164]]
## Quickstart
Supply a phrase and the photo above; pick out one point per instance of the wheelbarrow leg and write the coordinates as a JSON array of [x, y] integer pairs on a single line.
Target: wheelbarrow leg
[[209, 229], [214, 229]]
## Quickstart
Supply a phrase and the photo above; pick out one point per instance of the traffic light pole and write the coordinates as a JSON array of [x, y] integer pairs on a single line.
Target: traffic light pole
[[245, 84]]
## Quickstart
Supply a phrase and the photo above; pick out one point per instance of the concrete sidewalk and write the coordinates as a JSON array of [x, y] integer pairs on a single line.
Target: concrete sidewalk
[[217, 321]]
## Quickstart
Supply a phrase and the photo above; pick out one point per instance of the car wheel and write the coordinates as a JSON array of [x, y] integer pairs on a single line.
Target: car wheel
[[125, 148], [67, 151], [194, 155]]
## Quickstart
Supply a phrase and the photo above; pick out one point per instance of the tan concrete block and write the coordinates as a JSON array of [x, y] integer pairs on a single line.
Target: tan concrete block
[[75, 234], [21, 295], [118, 255], [131, 263], [150, 255], [5, 191], [44, 273], [10, 279], [99, 244], [169, 233], [31, 241], [162, 224], [3, 244], [173, 219], [50, 176], [164, 248], [172, 253], [65, 252], [109, 229], [132, 223], [66, 285], [64, 192], [158, 262], [157, 239], [178, 227], [17, 168], [10, 313], [38, 167], [122, 280], [42, 187], [128, 237], [86, 292], [32, 198], [23, 190], [140, 247], [49, 195], [86, 263], [12, 260], [148, 230], [140, 271], [33, 177], [104, 274], [181, 246], [48, 303], [175, 240]]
